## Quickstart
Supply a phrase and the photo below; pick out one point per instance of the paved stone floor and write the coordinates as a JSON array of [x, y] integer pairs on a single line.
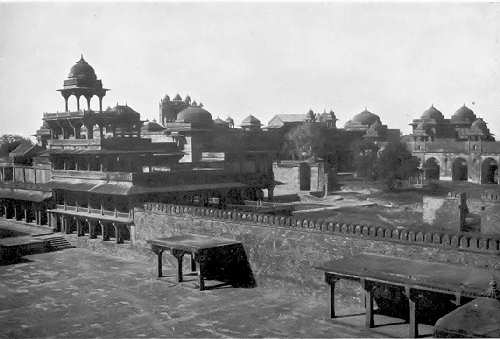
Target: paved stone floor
[[79, 293]]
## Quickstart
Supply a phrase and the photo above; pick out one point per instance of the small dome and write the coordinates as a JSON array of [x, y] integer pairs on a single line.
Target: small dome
[[220, 122], [196, 115], [82, 70], [432, 113], [230, 120], [152, 126], [366, 118], [178, 97], [463, 114], [250, 121], [187, 100], [479, 124], [166, 98]]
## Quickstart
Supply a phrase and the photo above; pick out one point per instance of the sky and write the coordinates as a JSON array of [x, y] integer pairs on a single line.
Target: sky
[[259, 58]]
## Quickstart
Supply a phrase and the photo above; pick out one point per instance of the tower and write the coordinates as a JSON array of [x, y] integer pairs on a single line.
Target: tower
[[170, 108]]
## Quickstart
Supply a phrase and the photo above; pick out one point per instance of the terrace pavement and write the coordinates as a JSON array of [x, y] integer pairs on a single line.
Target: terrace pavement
[[78, 293]]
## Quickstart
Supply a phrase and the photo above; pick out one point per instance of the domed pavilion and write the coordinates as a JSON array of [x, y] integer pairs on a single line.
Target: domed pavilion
[[82, 81]]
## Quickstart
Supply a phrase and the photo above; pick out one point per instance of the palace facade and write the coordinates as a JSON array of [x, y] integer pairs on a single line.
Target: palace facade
[[91, 168]]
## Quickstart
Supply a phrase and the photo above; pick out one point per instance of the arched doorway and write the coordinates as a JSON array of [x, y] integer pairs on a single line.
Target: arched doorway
[[431, 169], [304, 177], [459, 170], [489, 171]]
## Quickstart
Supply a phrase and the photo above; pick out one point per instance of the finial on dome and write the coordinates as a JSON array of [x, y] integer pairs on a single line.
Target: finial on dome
[[81, 57]]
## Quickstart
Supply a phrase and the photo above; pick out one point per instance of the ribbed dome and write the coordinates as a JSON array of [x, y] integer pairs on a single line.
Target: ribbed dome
[[432, 113], [196, 115], [366, 118], [82, 70], [464, 114]]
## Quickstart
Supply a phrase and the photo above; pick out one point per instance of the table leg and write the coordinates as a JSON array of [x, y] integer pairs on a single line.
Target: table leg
[[200, 277], [332, 299], [193, 264], [179, 267], [368, 296], [412, 305], [160, 268]]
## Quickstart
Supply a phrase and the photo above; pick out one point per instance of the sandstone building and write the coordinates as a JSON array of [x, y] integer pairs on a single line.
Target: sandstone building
[[460, 148], [92, 167]]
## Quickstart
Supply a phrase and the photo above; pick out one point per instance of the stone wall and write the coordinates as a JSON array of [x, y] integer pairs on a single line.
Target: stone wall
[[490, 213], [288, 248], [288, 174], [448, 214]]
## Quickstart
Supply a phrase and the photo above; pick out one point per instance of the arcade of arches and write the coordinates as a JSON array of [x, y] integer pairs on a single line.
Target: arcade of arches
[[480, 170]]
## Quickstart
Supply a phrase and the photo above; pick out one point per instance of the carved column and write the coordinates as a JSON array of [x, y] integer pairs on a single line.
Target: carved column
[[78, 102], [88, 102], [66, 103]]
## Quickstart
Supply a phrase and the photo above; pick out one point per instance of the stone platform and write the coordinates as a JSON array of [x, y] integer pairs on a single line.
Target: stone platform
[[77, 293]]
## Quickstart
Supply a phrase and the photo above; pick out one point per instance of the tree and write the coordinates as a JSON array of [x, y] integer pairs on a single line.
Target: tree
[[365, 158], [311, 141], [395, 163], [8, 142]]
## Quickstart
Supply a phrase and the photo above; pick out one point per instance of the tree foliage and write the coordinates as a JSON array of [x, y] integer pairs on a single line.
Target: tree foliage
[[365, 158], [8, 142], [311, 141], [390, 164], [395, 163]]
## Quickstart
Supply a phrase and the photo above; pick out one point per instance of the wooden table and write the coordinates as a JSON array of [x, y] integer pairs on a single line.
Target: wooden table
[[197, 246], [455, 280]]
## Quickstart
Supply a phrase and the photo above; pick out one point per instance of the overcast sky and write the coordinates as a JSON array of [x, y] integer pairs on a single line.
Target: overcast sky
[[255, 58]]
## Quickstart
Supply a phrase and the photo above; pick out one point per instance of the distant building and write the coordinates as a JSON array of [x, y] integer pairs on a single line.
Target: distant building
[[460, 148]]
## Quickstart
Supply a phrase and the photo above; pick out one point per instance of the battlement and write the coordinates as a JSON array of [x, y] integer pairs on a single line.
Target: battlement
[[452, 240], [492, 196]]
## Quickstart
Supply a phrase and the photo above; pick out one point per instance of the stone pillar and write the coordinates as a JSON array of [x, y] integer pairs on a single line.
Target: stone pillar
[[16, 212], [66, 103], [270, 193], [118, 233], [104, 231], [92, 232], [78, 103], [132, 234], [79, 228], [100, 104], [90, 132], [88, 102]]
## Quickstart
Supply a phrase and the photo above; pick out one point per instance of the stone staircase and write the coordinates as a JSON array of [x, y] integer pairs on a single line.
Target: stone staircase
[[55, 242]]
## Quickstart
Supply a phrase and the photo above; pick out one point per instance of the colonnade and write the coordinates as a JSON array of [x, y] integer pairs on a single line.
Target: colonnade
[[91, 227], [26, 211]]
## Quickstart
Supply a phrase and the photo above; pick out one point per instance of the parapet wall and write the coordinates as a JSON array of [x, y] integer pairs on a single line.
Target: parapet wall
[[288, 248]]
